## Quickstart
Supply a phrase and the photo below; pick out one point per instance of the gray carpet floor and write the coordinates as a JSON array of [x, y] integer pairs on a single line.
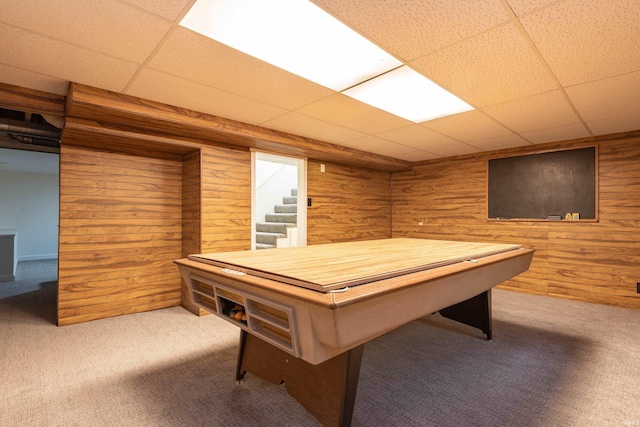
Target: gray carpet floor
[[31, 276], [551, 362]]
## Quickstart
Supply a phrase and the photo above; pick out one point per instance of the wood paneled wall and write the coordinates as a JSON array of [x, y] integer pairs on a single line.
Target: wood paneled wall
[[348, 204], [120, 230], [226, 200], [216, 205], [125, 215], [587, 261], [213, 209]]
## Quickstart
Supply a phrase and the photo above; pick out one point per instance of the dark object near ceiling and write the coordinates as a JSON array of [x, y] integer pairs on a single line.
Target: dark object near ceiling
[[27, 128]]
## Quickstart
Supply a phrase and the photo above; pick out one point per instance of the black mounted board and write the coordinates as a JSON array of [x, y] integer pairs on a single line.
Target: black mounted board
[[537, 186]]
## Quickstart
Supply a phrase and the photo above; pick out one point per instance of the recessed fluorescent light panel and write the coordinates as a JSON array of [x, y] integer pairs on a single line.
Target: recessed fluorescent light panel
[[294, 35], [408, 94], [301, 38]]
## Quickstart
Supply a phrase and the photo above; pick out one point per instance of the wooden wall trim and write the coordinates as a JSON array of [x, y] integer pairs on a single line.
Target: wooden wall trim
[[191, 217], [152, 118], [91, 134], [33, 101]]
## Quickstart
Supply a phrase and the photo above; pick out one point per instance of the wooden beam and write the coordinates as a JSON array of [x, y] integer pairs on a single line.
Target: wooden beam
[[84, 133], [29, 100], [128, 113]]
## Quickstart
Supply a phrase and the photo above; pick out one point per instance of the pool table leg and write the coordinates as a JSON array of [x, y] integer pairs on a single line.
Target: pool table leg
[[243, 341], [327, 390], [474, 312]]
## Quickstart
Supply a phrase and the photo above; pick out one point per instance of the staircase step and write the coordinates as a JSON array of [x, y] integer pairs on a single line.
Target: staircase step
[[269, 238], [285, 208], [283, 217], [294, 192], [273, 227], [290, 200], [263, 246]]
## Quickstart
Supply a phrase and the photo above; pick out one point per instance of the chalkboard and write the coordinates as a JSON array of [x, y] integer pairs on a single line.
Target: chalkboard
[[537, 186]]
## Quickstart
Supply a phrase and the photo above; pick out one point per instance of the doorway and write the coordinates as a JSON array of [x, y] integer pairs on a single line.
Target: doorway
[[29, 206], [278, 201]]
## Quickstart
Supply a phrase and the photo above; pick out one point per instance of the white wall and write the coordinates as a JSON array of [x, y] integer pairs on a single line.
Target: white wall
[[29, 202]]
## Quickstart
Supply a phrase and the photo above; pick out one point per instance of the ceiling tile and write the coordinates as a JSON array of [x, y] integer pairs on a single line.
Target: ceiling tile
[[474, 48], [160, 87], [170, 9], [417, 136], [198, 58], [583, 41], [61, 60], [105, 26], [607, 98], [468, 127], [309, 127], [345, 111], [490, 68], [615, 125], [413, 29], [543, 111], [560, 133], [520, 7], [17, 77], [457, 149], [452, 149], [383, 147], [500, 142]]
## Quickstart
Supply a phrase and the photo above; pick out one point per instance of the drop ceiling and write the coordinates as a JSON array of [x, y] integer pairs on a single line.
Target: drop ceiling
[[534, 70]]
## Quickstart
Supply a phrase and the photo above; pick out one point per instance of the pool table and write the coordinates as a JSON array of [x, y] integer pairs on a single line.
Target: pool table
[[305, 313]]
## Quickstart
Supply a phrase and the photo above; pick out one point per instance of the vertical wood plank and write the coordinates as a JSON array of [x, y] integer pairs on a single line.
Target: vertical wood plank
[[191, 216]]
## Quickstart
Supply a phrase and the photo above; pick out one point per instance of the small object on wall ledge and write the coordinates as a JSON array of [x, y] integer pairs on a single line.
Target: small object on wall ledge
[[555, 217], [568, 216], [575, 216]]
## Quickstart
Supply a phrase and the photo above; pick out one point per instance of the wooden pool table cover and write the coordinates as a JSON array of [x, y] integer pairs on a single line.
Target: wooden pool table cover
[[334, 266]]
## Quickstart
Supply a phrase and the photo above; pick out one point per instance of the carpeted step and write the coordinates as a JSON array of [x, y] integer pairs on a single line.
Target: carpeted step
[[273, 227], [263, 246], [283, 217], [269, 238], [285, 208], [290, 200]]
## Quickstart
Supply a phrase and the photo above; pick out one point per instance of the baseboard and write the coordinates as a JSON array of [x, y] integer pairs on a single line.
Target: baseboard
[[37, 257], [7, 278]]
